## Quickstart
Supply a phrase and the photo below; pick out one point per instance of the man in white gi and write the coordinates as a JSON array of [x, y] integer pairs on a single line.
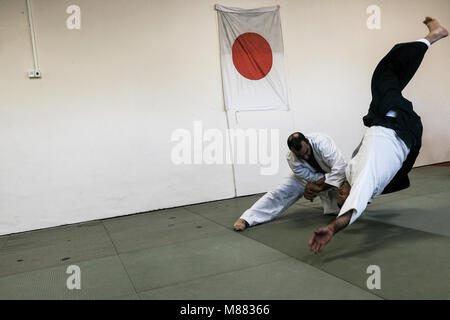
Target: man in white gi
[[318, 170], [391, 144]]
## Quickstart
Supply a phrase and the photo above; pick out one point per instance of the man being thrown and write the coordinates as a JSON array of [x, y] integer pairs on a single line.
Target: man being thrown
[[318, 170], [391, 144]]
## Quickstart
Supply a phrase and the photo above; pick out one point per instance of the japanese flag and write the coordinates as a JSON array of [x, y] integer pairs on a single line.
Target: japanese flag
[[251, 46]]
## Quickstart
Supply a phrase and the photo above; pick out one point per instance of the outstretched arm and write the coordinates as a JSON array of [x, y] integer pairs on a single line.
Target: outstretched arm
[[323, 235]]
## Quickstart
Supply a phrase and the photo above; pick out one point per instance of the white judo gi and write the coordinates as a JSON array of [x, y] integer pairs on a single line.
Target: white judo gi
[[381, 154], [329, 158]]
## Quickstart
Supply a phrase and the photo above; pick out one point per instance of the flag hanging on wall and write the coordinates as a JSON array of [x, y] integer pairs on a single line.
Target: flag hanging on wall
[[252, 58]]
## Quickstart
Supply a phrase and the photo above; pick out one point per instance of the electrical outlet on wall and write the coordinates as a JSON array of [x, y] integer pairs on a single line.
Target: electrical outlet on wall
[[34, 74]]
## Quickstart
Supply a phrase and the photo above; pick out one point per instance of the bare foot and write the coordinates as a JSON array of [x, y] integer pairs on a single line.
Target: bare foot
[[437, 31], [240, 224]]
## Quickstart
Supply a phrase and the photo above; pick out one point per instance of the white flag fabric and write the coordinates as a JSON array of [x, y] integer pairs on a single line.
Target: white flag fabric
[[252, 58]]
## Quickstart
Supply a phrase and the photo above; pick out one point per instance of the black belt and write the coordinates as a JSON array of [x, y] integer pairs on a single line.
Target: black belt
[[385, 119], [390, 119]]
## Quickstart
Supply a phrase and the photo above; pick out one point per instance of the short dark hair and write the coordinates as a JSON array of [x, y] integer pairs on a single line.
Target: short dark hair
[[295, 141]]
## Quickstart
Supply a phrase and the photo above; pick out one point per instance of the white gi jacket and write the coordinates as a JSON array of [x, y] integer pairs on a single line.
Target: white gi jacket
[[330, 159]]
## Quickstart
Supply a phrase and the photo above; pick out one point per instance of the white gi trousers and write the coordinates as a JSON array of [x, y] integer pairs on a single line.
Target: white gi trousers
[[380, 156]]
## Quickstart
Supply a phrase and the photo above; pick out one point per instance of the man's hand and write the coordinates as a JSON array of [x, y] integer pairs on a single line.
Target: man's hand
[[323, 235], [312, 187], [320, 238], [311, 191], [309, 194]]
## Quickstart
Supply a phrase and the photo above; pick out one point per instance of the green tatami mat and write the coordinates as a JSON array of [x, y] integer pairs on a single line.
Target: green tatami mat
[[413, 264], [284, 279], [103, 278]]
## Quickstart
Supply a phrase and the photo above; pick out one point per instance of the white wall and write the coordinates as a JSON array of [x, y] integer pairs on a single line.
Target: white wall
[[91, 139]]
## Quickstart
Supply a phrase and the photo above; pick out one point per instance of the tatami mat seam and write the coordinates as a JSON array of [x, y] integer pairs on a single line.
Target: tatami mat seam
[[120, 259], [217, 274]]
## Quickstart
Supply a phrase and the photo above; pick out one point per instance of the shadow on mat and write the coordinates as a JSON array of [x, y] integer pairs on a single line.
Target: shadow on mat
[[365, 238]]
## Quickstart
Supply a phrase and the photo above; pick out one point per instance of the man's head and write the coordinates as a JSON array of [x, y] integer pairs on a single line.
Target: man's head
[[299, 145], [344, 191]]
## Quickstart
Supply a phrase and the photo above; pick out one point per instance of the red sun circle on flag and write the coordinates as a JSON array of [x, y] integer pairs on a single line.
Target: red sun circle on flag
[[252, 56]]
